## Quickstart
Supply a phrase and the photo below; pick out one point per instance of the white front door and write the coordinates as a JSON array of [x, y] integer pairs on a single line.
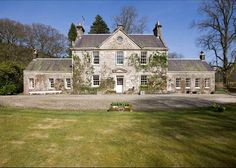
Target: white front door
[[119, 84]]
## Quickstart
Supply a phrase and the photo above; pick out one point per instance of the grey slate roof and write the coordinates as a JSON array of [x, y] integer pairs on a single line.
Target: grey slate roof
[[64, 65], [94, 40], [50, 65], [188, 65]]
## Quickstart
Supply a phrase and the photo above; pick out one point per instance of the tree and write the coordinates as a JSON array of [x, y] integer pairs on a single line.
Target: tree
[[99, 26], [219, 26], [128, 17], [42, 37], [175, 55], [72, 34], [11, 78]]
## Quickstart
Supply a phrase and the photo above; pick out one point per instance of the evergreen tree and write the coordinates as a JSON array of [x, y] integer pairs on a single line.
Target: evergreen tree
[[72, 33], [99, 26]]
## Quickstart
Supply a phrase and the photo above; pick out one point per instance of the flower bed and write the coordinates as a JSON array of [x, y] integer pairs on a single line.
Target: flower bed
[[120, 106]]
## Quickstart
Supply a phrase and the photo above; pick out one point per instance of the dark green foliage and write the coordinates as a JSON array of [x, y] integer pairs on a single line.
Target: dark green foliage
[[217, 107], [11, 78], [99, 26], [72, 33]]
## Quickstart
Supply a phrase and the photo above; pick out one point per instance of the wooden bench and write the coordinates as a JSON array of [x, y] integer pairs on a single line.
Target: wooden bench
[[45, 92]]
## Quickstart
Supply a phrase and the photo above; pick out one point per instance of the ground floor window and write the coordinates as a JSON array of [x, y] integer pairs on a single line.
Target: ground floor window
[[188, 82], [177, 82], [68, 83], [31, 83], [197, 82], [207, 82], [95, 80], [143, 80], [51, 82]]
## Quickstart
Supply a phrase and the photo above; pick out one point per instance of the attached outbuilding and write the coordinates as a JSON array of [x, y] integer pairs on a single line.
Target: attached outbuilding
[[190, 76], [48, 75]]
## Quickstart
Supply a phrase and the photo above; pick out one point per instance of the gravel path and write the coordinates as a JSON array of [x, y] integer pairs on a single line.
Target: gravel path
[[102, 102]]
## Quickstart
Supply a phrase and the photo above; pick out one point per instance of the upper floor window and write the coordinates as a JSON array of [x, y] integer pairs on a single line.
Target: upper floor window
[[207, 82], [177, 82], [143, 58], [197, 82], [120, 58], [68, 83], [31, 83], [51, 82], [143, 80], [96, 80], [95, 57], [188, 82]]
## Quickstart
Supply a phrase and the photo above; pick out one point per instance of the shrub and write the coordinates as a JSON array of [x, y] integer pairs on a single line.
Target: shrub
[[11, 78], [217, 107]]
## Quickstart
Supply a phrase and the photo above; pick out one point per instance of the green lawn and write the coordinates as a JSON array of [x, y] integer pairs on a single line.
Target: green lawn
[[196, 137]]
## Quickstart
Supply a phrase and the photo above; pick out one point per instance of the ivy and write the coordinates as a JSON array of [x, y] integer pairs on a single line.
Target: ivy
[[157, 65], [82, 73]]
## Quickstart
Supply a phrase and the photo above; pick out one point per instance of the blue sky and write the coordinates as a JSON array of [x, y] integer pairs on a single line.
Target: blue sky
[[175, 16]]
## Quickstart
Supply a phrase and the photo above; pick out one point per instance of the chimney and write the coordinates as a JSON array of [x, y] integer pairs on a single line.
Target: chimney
[[35, 54], [80, 31], [157, 30], [202, 56], [120, 27]]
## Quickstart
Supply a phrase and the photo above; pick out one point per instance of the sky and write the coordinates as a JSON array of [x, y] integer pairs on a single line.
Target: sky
[[176, 17]]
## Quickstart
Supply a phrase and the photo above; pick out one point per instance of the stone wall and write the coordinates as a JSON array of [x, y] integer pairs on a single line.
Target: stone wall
[[171, 82], [41, 81]]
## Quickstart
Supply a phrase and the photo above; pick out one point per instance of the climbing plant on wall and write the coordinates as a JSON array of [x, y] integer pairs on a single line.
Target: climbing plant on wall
[[156, 65], [82, 73]]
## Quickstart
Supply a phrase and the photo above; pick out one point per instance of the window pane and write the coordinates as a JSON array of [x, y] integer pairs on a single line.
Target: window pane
[[120, 57], [31, 83], [178, 82], [96, 80], [96, 57], [51, 82], [143, 57], [207, 82], [143, 79], [197, 82], [188, 82], [68, 83]]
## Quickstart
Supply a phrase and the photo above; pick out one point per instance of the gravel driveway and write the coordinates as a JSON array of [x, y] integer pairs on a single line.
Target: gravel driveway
[[102, 102]]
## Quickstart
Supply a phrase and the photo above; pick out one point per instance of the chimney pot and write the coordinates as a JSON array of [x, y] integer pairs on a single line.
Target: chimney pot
[[80, 31], [202, 56], [157, 30]]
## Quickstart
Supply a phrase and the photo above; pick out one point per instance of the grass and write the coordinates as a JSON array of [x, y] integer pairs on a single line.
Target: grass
[[183, 137]]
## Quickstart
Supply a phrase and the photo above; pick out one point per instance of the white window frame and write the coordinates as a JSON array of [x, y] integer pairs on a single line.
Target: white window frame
[[96, 53], [96, 85], [143, 53], [187, 82], [143, 82], [179, 82], [199, 80], [207, 82], [31, 83], [51, 83], [66, 83], [117, 54]]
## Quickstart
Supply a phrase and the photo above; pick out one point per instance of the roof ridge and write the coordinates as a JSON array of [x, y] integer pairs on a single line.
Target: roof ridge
[[53, 58]]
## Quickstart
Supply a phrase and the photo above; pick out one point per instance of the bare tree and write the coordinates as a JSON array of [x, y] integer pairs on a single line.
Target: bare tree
[[129, 18], [175, 55], [11, 32], [219, 27]]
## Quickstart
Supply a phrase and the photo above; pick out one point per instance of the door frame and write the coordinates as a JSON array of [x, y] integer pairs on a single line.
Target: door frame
[[120, 77]]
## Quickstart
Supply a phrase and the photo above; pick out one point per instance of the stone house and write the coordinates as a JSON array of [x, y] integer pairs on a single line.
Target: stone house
[[120, 63]]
